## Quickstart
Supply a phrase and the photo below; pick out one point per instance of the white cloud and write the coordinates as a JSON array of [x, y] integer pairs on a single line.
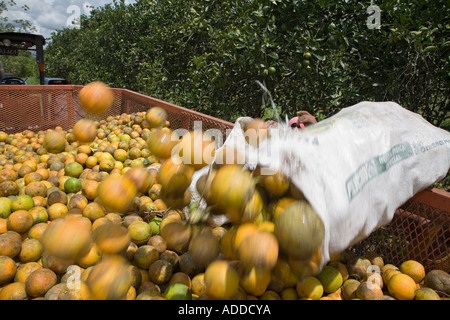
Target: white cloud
[[50, 15]]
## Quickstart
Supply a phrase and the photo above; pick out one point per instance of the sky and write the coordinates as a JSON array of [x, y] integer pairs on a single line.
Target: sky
[[51, 15]]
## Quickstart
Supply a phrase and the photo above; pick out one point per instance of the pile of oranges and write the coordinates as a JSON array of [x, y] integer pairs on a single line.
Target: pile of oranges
[[104, 211]]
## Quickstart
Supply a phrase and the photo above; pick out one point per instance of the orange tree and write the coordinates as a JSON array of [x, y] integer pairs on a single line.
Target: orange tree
[[315, 55]]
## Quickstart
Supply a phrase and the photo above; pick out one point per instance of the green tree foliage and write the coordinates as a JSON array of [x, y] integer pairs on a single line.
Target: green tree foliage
[[17, 25], [318, 56]]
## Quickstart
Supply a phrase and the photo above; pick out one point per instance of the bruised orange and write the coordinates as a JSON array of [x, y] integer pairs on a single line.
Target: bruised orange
[[39, 282]]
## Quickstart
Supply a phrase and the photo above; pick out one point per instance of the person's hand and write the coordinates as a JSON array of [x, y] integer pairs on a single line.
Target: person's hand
[[306, 118], [271, 123]]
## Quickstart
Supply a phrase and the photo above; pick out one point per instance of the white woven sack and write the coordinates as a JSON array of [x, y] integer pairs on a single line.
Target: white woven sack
[[355, 168]]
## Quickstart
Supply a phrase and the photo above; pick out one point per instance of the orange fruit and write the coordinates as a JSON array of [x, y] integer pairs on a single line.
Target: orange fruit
[[252, 208], [141, 177], [140, 232], [85, 130], [197, 149], [81, 293], [156, 117], [330, 278], [413, 269], [89, 189], [81, 158], [91, 162], [181, 277], [283, 271], [54, 141], [3, 225], [198, 285], [20, 221], [388, 274], [72, 185], [120, 155], [13, 291], [84, 148], [22, 202], [204, 247], [67, 238], [5, 207], [349, 288], [289, 294], [31, 250], [309, 288], [96, 98], [78, 201], [299, 230], [145, 256], [7, 269], [259, 249], [221, 280], [342, 268], [255, 280], [369, 291], [426, 294], [161, 144], [25, 269], [160, 271], [91, 257], [276, 184], [174, 176], [111, 238], [177, 235], [73, 169], [37, 230], [93, 211], [402, 287], [110, 279], [57, 210], [117, 193], [231, 188], [39, 214], [36, 188], [178, 291], [270, 295], [9, 188], [39, 282], [40, 201]]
